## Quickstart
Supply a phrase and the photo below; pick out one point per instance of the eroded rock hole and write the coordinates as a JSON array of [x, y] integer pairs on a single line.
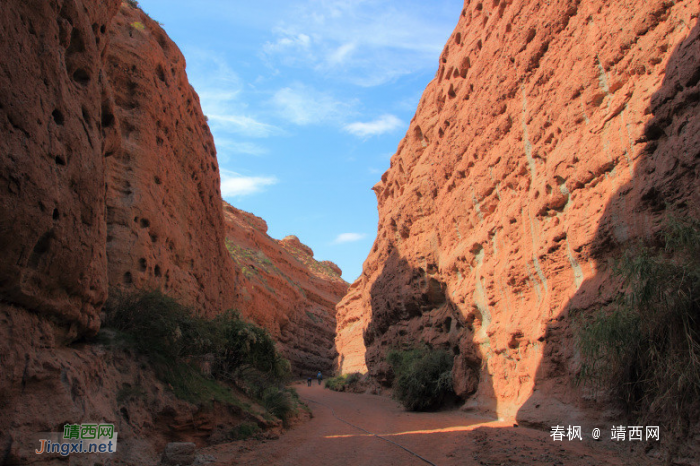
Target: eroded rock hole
[[76, 43], [156, 271], [40, 248], [143, 265], [55, 214], [58, 118], [145, 223], [530, 35], [447, 324], [81, 76], [458, 38], [160, 72], [60, 160], [107, 116], [128, 278]]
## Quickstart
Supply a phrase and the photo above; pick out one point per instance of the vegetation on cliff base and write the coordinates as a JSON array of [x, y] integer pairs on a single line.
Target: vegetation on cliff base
[[341, 383], [197, 356], [423, 377], [646, 349]]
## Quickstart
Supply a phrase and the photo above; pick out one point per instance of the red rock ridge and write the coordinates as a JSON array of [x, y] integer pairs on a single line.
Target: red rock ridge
[[280, 286], [553, 134]]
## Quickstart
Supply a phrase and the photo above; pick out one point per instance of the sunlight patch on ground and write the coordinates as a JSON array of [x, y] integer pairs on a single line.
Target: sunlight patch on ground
[[425, 431]]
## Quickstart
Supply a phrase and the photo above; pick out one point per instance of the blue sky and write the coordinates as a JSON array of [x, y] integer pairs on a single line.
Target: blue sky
[[308, 100]]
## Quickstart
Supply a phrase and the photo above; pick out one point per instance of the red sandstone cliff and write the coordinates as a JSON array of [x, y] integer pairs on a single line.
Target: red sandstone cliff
[[553, 134], [165, 226], [108, 180], [281, 287]]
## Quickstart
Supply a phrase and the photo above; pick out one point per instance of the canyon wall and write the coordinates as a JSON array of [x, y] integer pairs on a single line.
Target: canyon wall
[[281, 287], [165, 227], [553, 135], [108, 168], [108, 181], [52, 166]]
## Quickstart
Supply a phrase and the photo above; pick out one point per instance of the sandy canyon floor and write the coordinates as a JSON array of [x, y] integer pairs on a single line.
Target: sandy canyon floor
[[443, 438]]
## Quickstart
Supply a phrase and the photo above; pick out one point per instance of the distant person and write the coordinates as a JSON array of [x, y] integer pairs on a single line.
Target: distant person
[[319, 376], [308, 381]]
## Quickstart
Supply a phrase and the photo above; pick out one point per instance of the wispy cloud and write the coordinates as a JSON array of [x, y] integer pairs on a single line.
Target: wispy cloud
[[303, 105], [367, 43], [233, 146], [383, 124], [349, 238], [243, 125], [222, 95], [234, 184]]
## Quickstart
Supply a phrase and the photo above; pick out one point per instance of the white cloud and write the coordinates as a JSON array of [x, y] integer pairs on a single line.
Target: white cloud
[[228, 145], [349, 238], [303, 105], [341, 55], [234, 184], [383, 124], [241, 124], [291, 48], [367, 43]]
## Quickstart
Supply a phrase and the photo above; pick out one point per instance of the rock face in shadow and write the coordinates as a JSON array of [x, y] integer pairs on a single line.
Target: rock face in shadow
[[109, 173], [53, 91], [165, 227], [281, 287], [497, 205], [108, 180]]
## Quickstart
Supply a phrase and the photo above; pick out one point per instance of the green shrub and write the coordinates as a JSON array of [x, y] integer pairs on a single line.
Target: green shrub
[[423, 377], [646, 349], [243, 344], [244, 431], [279, 402], [341, 383], [177, 343]]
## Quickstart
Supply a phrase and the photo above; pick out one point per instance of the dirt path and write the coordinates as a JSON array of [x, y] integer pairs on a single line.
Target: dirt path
[[444, 438]]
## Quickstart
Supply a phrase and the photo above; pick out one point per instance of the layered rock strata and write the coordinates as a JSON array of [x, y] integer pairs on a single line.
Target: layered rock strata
[[553, 134], [281, 287]]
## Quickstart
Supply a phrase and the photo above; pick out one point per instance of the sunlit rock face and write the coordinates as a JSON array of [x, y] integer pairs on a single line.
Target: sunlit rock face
[[553, 134], [280, 286]]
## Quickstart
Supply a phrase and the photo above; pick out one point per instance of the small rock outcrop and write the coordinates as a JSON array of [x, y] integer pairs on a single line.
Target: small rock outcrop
[[281, 287], [553, 134]]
